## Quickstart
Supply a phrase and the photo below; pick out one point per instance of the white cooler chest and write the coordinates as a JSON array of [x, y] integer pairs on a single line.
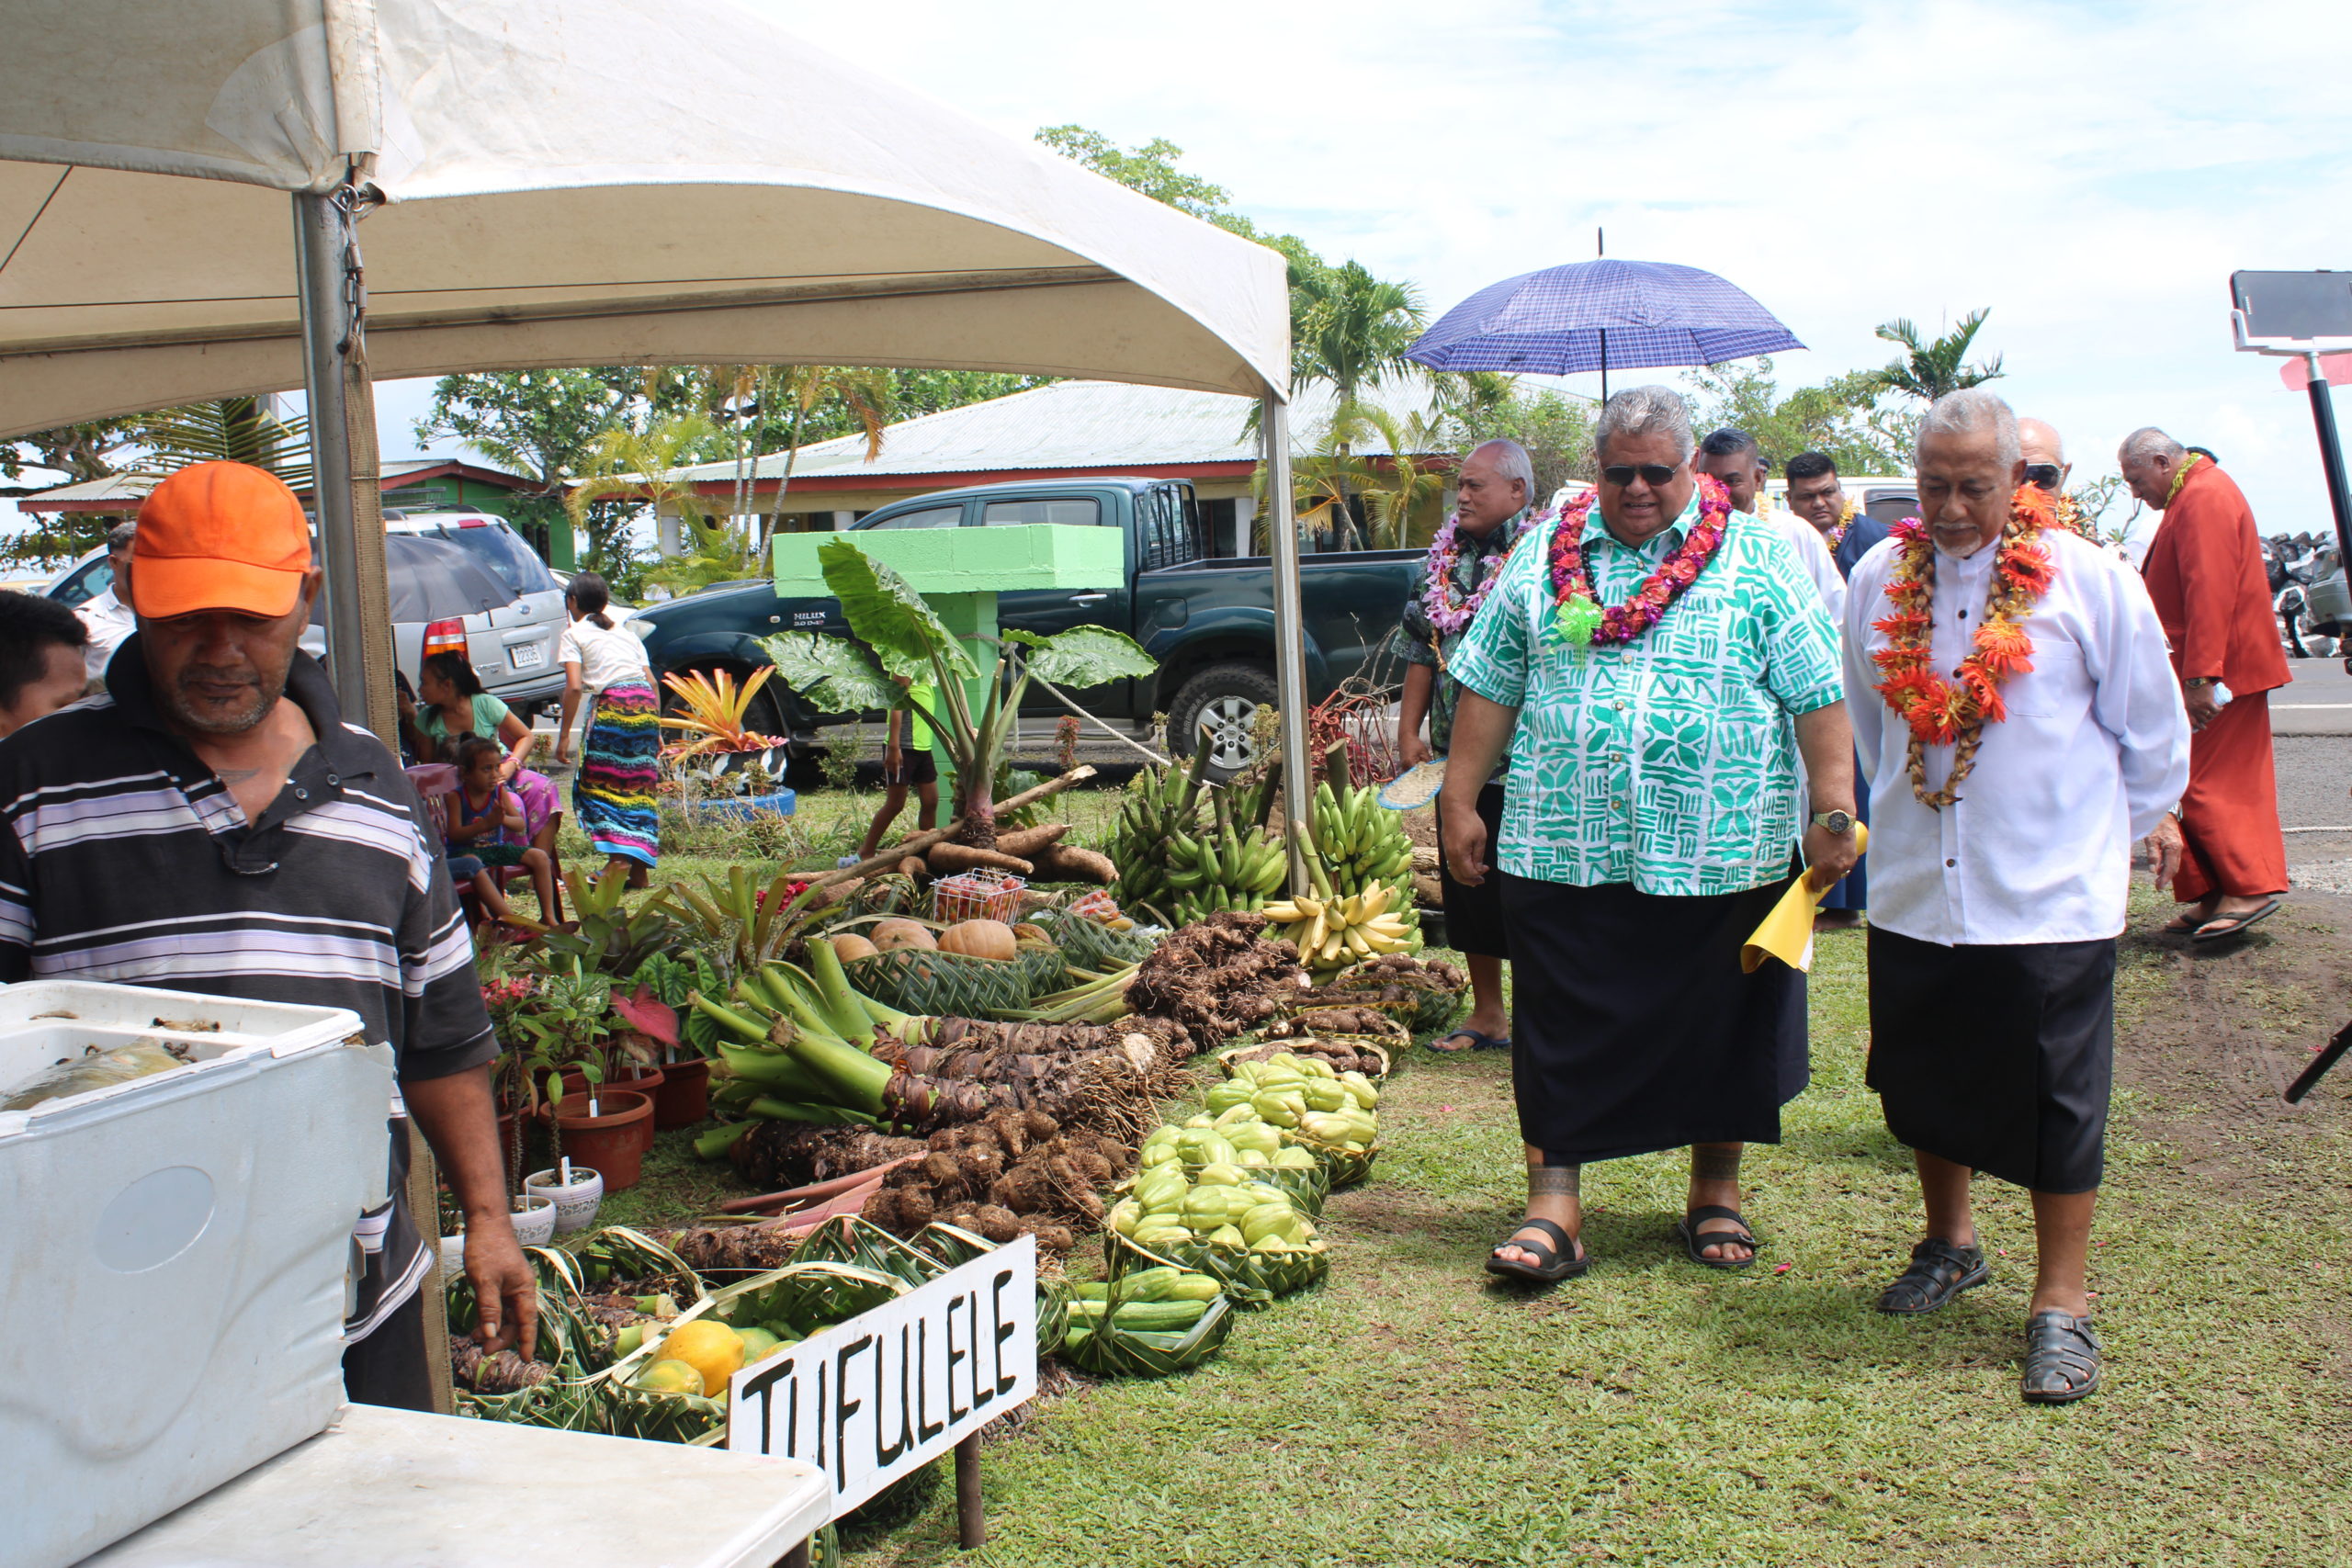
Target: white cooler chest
[[173, 1253]]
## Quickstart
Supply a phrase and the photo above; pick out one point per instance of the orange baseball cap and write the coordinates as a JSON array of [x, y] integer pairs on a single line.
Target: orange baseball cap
[[219, 537]]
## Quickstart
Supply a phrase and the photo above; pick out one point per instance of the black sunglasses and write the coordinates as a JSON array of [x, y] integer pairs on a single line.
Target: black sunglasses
[[2042, 476], [1652, 474]]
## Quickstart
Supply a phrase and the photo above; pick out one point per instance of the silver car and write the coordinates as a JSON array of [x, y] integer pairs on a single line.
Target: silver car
[[512, 646]]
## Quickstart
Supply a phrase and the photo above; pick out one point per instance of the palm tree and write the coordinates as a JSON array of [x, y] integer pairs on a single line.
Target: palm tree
[[227, 430], [1330, 478], [865, 392], [1932, 369], [1351, 332], [640, 465]]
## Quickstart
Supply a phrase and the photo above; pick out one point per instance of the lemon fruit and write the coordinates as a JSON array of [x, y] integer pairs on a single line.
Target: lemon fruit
[[708, 1347], [670, 1377]]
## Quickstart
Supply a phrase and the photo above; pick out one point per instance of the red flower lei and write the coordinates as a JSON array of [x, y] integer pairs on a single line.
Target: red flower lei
[[1580, 620], [1942, 713]]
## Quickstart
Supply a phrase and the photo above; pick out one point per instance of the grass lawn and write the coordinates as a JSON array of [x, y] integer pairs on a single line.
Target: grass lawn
[[1658, 1413]]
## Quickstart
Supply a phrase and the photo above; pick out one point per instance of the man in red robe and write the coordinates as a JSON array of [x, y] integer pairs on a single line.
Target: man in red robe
[[2205, 573]]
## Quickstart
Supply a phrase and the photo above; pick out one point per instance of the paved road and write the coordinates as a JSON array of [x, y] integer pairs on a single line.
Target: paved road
[[2318, 701]]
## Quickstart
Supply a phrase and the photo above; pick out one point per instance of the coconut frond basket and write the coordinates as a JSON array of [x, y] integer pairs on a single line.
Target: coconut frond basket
[[1249, 1278], [1346, 1168], [921, 980], [1111, 1351], [1091, 944]]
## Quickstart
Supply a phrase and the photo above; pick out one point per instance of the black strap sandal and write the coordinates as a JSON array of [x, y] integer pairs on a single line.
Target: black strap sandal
[[1939, 1271], [1551, 1267], [2062, 1358], [1688, 1229]]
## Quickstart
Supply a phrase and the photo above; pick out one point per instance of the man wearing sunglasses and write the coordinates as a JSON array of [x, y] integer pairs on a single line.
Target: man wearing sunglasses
[[2046, 467], [2205, 572], [1663, 661]]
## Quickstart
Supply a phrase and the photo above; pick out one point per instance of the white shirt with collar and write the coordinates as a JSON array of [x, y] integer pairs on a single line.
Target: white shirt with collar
[[109, 620], [1812, 554], [2093, 753]]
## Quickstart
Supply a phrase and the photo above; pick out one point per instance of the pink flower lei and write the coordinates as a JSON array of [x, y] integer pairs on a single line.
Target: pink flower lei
[[1446, 618], [1581, 621]]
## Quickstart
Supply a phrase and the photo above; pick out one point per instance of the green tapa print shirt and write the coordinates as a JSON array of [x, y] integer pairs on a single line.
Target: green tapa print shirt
[[1668, 762]]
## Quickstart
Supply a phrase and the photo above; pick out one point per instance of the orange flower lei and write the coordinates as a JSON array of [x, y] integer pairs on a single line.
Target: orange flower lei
[[1954, 712]]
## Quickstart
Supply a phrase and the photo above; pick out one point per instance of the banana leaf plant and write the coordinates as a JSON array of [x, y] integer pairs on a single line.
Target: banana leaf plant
[[910, 642]]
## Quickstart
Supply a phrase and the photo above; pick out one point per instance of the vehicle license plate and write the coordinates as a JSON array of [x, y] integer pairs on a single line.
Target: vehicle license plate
[[528, 655]]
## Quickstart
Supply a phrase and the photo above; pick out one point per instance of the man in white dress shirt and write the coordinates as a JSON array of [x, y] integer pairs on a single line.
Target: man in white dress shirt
[[108, 619], [2001, 847], [1733, 456]]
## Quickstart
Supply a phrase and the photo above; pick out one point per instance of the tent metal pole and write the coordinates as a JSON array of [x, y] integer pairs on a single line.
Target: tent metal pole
[[1299, 770], [320, 239]]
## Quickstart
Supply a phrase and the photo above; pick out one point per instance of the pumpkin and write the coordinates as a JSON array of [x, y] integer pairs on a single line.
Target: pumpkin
[[980, 939], [891, 935], [849, 945]]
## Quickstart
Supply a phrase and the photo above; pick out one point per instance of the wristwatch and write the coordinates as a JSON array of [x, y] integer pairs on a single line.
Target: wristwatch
[[1836, 822]]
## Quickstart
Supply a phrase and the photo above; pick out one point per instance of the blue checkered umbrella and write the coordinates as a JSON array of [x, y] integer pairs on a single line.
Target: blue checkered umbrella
[[1601, 315]]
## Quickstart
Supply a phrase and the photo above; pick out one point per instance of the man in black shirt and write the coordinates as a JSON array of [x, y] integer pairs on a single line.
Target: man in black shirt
[[211, 824]]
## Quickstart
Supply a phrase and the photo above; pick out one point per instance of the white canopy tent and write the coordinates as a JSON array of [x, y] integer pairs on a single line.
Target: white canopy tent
[[544, 183]]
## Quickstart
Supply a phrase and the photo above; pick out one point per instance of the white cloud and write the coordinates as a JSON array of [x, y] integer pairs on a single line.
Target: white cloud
[[2092, 172]]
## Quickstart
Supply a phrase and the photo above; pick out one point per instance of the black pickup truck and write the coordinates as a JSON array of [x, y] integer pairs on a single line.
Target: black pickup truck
[[1210, 623]]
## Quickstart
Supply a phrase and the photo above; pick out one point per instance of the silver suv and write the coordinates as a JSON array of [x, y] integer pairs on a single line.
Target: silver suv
[[512, 646]]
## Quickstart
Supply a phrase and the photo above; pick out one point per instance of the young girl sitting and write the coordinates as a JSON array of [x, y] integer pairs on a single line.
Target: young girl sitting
[[485, 830]]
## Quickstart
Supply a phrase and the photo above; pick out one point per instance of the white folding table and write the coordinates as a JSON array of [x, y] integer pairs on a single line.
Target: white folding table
[[396, 1489]]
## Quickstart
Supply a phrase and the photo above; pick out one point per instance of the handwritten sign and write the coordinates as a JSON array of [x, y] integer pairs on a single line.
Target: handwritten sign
[[877, 1398]]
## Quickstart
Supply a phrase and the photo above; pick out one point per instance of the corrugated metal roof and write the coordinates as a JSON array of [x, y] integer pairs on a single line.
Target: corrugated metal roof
[[1072, 424], [134, 487]]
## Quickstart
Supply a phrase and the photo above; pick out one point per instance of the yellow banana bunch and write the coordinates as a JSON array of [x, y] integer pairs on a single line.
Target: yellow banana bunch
[[1331, 933]]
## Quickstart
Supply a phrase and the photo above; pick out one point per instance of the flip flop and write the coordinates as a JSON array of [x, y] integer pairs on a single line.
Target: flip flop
[[1694, 1239], [2183, 925], [2231, 925], [1551, 1267], [1477, 1042]]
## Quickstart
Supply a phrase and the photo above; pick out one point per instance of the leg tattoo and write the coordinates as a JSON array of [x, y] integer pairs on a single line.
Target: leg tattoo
[[1552, 1181], [1708, 1163]]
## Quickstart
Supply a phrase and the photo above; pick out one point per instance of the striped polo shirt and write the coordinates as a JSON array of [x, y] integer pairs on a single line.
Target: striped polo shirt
[[124, 859]]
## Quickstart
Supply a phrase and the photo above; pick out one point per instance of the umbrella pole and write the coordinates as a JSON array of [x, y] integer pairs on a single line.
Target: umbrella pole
[[1604, 365], [1299, 772], [345, 483]]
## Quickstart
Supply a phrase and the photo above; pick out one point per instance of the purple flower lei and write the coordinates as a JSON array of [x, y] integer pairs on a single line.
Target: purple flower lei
[[1445, 617]]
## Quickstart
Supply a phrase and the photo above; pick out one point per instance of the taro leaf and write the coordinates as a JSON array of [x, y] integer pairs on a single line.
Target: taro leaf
[[1083, 656], [646, 1014], [835, 675], [888, 615]]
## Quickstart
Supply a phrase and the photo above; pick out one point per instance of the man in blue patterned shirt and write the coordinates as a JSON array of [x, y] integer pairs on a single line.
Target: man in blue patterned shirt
[[1663, 664]]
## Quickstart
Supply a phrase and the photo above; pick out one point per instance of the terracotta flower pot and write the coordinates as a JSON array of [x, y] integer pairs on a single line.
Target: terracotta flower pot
[[613, 1142], [684, 1098], [647, 1081]]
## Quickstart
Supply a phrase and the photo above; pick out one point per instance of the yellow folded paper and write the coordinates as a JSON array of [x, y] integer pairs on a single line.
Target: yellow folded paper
[[1787, 932]]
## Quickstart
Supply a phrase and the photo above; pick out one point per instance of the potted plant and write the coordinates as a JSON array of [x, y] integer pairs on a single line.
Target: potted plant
[[608, 1129], [722, 743], [650, 1011]]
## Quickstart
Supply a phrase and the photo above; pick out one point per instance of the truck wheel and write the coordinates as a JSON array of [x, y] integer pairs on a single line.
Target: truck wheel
[[1222, 699]]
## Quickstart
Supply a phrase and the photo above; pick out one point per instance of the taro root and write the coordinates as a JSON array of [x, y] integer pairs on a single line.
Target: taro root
[[999, 1224]]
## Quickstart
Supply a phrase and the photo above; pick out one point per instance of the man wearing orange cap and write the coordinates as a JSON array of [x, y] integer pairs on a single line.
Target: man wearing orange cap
[[211, 824]]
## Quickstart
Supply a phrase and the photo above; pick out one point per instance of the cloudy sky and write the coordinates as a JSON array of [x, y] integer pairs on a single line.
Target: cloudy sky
[[2091, 172]]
